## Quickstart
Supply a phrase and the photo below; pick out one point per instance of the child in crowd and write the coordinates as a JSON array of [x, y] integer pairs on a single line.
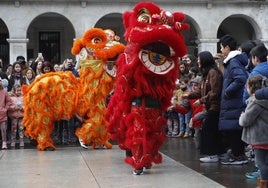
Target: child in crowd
[[198, 112], [5, 103], [183, 118], [46, 67], [16, 76], [5, 84], [255, 126], [15, 113], [172, 116]]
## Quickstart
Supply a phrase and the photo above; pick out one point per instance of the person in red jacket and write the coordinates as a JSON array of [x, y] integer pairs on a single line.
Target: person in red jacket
[[15, 113], [5, 103]]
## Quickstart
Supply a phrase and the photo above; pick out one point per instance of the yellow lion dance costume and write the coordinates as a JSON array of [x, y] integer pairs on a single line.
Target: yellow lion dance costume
[[60, 95]]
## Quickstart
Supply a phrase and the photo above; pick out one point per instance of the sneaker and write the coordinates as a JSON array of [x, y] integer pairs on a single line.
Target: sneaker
[[138, 171], [181, 134], [82, 144], [128, 153], [253, 175], [232, 160], [21, 144], [4, 145], [186, 135], [49, 149], [12, 145], [175, 135], [224, 156], [169, 135], [210, 159]]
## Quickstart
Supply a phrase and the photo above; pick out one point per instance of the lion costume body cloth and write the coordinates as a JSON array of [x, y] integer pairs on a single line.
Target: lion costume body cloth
[[60, 95], [147, 71]]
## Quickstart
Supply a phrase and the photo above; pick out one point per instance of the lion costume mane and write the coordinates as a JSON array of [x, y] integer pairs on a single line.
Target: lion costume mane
[[60, 95], [147, 71]]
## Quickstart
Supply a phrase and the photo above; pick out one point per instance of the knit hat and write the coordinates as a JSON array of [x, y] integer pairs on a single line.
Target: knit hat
[[197, 79], [4, 83]]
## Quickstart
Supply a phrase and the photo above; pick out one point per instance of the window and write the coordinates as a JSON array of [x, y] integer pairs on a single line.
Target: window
[[49, 45]]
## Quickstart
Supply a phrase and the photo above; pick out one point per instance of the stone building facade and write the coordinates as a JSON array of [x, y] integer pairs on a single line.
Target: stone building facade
[[31, 26]]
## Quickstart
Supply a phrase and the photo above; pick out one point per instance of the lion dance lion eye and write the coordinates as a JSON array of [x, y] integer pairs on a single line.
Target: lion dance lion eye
[[96, 40], [144, 16]]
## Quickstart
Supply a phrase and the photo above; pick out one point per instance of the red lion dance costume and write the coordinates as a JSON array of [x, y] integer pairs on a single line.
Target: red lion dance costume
[[146, 79], [60, 95]]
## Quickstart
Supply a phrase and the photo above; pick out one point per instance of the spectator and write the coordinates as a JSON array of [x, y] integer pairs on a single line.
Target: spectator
[[57, 68], [198, 113], [37, 64], [23, 63], [15, 113], [211, 86], [46, 68], [5, 103], [259, 64], [9, 71], [184, 119], [16, 76], [38, 68], [2, 73], [172, 117], [234, 80], [219, 58], [246, 47], [29, 75], [255, 126], [31, 62], [191, 60], [258, 58], [68, 65], [183, 69]]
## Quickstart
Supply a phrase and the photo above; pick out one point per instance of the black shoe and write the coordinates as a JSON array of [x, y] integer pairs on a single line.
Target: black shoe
[[49, 149], [128, 153], [138, 171]]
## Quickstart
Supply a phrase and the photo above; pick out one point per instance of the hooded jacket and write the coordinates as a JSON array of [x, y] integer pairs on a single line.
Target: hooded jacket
[[262, 94], [255, 122], [234, 80], [16, 109], [262, 69], [5, 103]]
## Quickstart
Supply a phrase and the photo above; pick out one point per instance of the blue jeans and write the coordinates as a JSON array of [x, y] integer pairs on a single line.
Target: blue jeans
[[261, 157], [184, 122]]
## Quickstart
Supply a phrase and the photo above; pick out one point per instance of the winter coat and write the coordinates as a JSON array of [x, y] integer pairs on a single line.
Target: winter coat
[[5, 103], [255, 122], [262, 94], [234, 80], [16, 109], [211, 87], [262, 69], [19, 79]]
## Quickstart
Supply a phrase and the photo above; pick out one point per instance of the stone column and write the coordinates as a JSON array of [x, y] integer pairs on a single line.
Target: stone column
[[17, 47], [208, 45]]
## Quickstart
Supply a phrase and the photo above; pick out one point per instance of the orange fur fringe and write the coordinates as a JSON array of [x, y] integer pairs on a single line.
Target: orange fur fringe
[[60, 95]]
